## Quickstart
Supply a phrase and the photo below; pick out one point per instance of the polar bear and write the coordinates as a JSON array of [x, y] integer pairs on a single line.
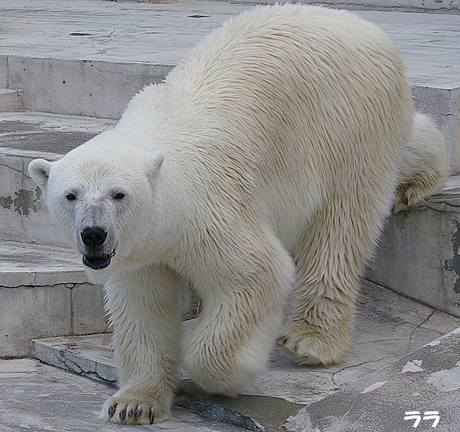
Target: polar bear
[[262, 168]]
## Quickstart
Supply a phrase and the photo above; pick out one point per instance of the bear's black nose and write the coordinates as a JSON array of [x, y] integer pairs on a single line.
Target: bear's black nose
[[93, 237]]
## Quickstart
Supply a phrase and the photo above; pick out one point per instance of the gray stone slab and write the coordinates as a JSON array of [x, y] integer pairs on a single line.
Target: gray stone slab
[[418, 255], [403, 5], [48, 133], [81, 87], [3, 72], [11, 100], [422, 387], [44, 292], [428, 43], [89, 357], [443, 105], [37, 397], [388, 327], [23, 214], [159, 33], [163, 33], [36, 265]]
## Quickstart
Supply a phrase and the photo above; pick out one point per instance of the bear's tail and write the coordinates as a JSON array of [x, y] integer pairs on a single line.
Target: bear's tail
[[424, 165]]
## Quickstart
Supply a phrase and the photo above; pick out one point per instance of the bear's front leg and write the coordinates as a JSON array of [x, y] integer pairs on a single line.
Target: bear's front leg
[[243, 298], [144, 311]]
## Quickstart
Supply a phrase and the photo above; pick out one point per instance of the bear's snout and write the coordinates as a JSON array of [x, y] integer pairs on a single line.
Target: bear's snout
[[93, 237], [95, 257]]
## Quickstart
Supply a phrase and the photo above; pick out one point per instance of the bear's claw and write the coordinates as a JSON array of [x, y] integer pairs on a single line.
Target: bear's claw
[[118, 410], [310, 346]]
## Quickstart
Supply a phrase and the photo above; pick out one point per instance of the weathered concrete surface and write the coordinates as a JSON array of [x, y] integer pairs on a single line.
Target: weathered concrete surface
[[450, 6], [11, 100], [388, 327], [423, 386], [125, 32], [36, 397], [48, 133], [44, 292], [443, 105], [23, 137], [90, 57], [418, 255], [81, 87], [162, 34]]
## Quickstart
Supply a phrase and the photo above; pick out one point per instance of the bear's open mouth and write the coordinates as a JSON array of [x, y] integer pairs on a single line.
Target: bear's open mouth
[[97, 262]]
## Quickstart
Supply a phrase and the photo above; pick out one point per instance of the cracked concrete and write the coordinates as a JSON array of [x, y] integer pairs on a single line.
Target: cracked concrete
[[44, 292], [418, 252], [388, 326], [37, 397], [23, 215], [424, 382]]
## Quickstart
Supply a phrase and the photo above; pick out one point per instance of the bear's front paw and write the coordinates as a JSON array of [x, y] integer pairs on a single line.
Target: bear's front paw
[[136, 408], [312, 346]]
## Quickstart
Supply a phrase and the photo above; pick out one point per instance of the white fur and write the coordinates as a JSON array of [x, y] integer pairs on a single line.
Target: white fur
[[423, 166], [284, 136]]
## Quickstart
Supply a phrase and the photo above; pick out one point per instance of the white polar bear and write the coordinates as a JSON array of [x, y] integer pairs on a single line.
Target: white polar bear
[[264, 165]]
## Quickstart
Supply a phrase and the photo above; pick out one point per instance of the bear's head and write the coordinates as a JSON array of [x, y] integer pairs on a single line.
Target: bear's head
[[101, 198]]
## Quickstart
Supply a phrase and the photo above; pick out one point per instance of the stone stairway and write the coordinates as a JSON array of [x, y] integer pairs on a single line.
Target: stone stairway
[[11, 100], [390, 330], [68, 70]]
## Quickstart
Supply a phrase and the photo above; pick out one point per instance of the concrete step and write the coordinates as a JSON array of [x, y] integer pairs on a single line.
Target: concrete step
[[44, 292], [446, 6], [389, 328], [421, 390], [11, 100], [66, 62], [417, 256], [23, 137], [38, 398]]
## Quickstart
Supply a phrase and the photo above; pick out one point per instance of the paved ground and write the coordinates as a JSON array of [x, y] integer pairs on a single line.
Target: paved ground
[[389, 327], [46, 132], [36, 397], [163, 33], [358, 396]]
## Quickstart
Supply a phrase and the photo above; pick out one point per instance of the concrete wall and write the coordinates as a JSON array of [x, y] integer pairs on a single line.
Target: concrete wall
[[419, 252], [426, 5], [23, 215], [78, 87], [47, 307], [443, 104]]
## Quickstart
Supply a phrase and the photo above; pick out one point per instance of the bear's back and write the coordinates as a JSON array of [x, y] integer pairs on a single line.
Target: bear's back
[[273, 72]]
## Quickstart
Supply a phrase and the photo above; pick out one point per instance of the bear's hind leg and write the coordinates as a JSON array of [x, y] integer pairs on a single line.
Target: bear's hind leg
[[144, 311], [330, 260], [243, 302]]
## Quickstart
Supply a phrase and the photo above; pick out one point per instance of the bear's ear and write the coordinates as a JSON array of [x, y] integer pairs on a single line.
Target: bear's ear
[[39, 171], [154, 164]]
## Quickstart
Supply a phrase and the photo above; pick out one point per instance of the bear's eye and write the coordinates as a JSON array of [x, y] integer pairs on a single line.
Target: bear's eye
[[70, 197], [119, 196]]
